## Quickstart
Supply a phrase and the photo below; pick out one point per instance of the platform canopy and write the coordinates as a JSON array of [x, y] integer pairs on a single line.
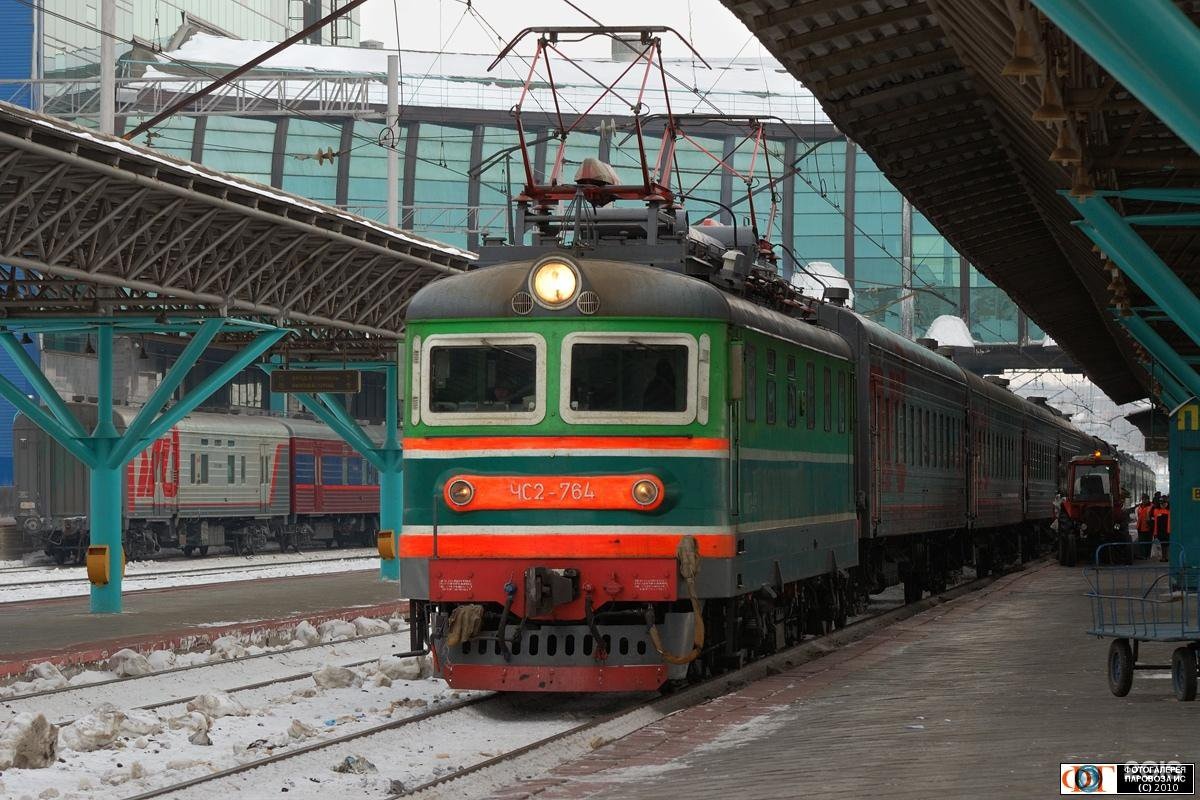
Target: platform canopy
[[93, 224], [921, 86]]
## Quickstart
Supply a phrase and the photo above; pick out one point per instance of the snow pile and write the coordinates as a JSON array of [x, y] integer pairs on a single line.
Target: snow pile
[[950, 331], [336, 630], [305, 633], [405, 669], [28, 741], [334, 677], [93, 731], [129, 663], [125, 663], [366, 626], [813, 278], [216, 705]]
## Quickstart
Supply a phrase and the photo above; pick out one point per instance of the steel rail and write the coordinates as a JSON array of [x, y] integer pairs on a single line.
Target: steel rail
[[315, 746], [173, 670]]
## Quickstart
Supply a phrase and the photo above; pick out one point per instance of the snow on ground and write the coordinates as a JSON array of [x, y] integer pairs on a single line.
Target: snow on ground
[[426, 750], [150, 574], [172, 683], [149, 752]]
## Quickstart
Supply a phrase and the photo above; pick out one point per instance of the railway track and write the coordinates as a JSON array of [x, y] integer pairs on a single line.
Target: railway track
[[487, 776], [473, 775], [136, 577], [74, 696]]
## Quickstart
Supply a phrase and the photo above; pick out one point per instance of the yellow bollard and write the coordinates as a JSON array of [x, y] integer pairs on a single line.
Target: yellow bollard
[[387, 545]]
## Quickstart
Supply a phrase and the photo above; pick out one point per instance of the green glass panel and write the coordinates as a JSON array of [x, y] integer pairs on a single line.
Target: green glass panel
[[303, 172], [241, 146]]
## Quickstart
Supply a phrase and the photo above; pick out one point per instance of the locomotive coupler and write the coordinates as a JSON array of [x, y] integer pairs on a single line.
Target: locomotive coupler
[[510, 591], [546, 589], [589, 616]]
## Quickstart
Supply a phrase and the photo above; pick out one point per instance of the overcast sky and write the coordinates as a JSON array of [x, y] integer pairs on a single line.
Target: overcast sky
[[447, 25]]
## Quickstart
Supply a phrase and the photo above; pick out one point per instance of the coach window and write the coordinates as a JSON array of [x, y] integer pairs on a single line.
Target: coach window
[[792, 404], [490, 379], [770, 361], [230, 469], [771, 401], [841, 402], [751, 392], [192, 474], [204, 468], [810, 395], [624, 378], [243, 469], [826, 393]]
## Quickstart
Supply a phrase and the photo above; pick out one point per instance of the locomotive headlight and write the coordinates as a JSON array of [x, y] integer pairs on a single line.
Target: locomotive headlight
[[460, 492], [554, 283], [645, 492]]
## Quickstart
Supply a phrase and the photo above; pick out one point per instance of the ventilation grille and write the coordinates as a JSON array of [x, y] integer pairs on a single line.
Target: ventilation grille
[[589, 302], [522, 303]]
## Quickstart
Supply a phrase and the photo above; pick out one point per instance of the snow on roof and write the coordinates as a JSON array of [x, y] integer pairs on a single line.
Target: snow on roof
[[745, 86], [243, 184], [950, 331], [816, 276]]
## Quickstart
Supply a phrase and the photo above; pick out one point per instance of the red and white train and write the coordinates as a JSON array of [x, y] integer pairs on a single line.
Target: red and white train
[[213, 480]]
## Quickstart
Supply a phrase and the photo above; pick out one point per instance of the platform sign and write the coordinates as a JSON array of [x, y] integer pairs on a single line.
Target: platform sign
[[1184, 463], [316, 381]]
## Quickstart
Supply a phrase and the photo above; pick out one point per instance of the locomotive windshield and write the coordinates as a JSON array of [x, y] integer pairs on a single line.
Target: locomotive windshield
[[650, 378], [1091, 482], [473, 379]]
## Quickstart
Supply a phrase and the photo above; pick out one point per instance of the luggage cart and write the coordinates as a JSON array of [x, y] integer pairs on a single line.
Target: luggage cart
[[1147, 602]]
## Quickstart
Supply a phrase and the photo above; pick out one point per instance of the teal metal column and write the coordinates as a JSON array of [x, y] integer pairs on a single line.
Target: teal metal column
[[105, 451], [107, 491], [391, 477], [1163, 353], [1150, 46], [386, 458], [1114, 236]]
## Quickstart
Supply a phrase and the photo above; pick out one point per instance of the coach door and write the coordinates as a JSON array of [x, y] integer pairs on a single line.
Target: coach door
[[160, 463], [265, 473], [880, 424]]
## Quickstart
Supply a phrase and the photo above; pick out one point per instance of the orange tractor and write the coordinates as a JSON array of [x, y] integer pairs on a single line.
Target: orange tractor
[[1095, 512]]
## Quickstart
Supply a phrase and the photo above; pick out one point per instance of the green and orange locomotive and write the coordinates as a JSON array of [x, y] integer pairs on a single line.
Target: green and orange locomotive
[[635, 454]]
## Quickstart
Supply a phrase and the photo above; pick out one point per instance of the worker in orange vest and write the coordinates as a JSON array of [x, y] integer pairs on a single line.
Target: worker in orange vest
[[1162, 524], [1145, 526]]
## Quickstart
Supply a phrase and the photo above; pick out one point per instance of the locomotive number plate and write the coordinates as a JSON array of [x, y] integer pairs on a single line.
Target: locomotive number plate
[[539, 492], [546, 492]]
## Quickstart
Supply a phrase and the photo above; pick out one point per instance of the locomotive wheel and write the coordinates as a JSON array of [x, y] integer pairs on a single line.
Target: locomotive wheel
[[60, 556], [1183, 674], [1120, 668], [203, 549], [187, 550]]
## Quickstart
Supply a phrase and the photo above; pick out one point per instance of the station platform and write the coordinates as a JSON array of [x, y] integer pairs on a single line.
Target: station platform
[[983, 696], [63, 630]]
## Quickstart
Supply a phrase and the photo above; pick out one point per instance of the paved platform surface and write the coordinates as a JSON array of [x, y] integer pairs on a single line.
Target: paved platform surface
[[64, 629], [981, 697]]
